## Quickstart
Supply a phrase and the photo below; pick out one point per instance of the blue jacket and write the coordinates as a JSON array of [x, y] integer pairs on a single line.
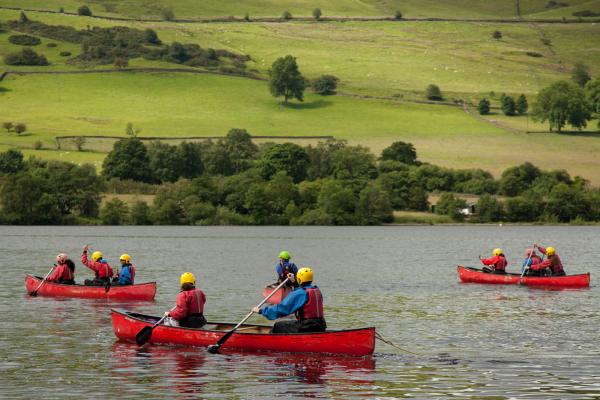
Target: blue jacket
[[279, 269], [125, 275], [289, 305]]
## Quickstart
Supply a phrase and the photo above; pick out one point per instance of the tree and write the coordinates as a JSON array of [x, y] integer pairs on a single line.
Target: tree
[[27, 199], [140, 214], [85, 11], [560, 103], [114, 212], [497, 35], [489, 209], [165, 163], [285, 79], [434, 93], [337, 202], [321, 158], [508, 105], [398, 15], [317, 13], [373, 206], [592, 94], [288, 157], [151, 37], [524, 208], [79, 142], [567, 203], [522, 105], [131, 130], [516, 180], [286, 15], [23, 18], [451, 206], [580, 74], [354, 162], [484, 106], [25, 57], [232, 154], [128, 160], [121, 63], [325, 84], [404, 194], [20, 128], [400, 151], [190, 159], [167, 14], [8, 126], [11, 161]]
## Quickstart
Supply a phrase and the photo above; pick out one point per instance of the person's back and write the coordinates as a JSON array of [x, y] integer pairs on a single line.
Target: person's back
[[553, 262], [102, 270], [189, 305], [497, 262], [284, 267], [62, 273]]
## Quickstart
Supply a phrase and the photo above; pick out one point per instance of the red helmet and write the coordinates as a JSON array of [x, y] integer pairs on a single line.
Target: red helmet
[[61, 258]]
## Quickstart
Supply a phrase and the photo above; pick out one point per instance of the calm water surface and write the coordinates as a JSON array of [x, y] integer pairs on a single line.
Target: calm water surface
[[472, 341]]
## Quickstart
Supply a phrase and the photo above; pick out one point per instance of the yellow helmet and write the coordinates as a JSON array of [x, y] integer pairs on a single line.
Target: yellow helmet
[[550, 251], [497, 252], [96, 255], [187, 277], [125, 257], [304, 275]]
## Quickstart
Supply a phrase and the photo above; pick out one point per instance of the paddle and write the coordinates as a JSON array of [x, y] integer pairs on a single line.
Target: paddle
[[214, 348], [34, 293], [145, 333], [527, 264]]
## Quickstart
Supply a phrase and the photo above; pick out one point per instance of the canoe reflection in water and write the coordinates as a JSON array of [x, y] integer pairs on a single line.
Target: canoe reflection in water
[[194, 371]]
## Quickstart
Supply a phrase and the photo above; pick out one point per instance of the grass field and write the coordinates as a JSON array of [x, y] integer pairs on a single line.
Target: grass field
[[409, 8]]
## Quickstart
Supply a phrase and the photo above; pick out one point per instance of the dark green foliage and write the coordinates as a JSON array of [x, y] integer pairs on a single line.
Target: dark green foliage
[[247, 17], [25, 57], [20, 127], [26, 199], [8, 126], [128, 160], [23, 18], [560, 103], [400, 151], [522, 105], [484, 107], [338, 203], [84, 11], [497, 35], [567, 203], [65, 53], [167, 14], [286, 15], [317, 13], [167, 212], [51, 45], [373, 206], [450, 205], [398, 15], [151, 37], [354, 162], [11, 161], [24, 40], [190, 160], [434, 93], [325, 84], [580, 74], [321, 158], [404, 193], [592, 94], [508, 106], [516, 180], [233, 154], [164, 162], [489, 209], [285, 79], [288, 157], [528, 207], [114, 212], [586, 13]]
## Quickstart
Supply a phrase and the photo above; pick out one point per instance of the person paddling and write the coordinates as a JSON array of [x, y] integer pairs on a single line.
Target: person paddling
[[285, 267], [126, 275], [62, 272], [553, 261], [496, 264], [189, 305], [305, 301], [100, 267], [531, 258]]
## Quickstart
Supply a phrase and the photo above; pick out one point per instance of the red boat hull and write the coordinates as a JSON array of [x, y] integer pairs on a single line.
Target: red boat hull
[[467, 274], [354, 342], [277, 297], [144, 291]]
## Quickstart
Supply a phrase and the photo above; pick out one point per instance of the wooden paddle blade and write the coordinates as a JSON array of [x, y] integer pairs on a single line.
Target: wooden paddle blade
[[143, 336]]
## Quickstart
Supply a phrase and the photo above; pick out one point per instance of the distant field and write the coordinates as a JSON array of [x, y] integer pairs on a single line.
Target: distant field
[[410, 8]]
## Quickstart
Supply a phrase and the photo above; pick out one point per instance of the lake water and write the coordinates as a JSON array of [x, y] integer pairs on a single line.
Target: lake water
[[470, 340]]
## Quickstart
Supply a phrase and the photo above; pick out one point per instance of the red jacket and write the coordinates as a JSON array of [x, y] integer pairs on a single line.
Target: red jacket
[[100, 268], [188, 302], [552, 262], [499, 262], [61, 272]]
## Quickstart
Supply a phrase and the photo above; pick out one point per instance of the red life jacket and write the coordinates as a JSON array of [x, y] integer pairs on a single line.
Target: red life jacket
[[61, 273], [103, 270], [188, 302], [313, 308]]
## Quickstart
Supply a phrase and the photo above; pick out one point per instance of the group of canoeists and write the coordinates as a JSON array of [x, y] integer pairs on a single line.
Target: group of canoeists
[[533, 264], [305, 301]]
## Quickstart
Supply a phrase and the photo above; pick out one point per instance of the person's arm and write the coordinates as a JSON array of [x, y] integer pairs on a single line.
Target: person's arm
[[87, 262], [489, 261], [289, 305], [542, 249], [543, 265], [180, 310], [55, 274]]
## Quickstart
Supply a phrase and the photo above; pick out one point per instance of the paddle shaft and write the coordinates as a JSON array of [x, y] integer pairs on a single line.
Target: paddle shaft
[[146, 332], [34, 293], [215, 347], [527, 263]]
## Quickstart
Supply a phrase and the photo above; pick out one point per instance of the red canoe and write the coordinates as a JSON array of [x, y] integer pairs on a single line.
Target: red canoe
[[144, 291], [468, 274], [277, 297], [352, 342]]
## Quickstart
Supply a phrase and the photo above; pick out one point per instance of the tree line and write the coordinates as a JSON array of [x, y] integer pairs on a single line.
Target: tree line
[[235, 181]]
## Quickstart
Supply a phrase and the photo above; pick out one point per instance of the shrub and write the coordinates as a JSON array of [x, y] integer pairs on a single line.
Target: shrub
[[586, 13], [114, 212], [522, 105], [484, 107], [8, 126], [508, 105], [61, 10], [20, 128], [65, 53], [247, 17], [151, 37], [25, 57], [317, 13], [85, 11], [38, 145], [167, 14], [398, 15], [325, 84], [51, 44], [434, 93], [23, 18], [24, 40], [534, 54], [286, 15], [497, 35]]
